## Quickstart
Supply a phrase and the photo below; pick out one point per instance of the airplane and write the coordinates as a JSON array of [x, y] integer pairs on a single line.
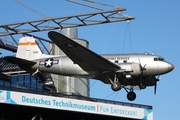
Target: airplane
[[118, 70]]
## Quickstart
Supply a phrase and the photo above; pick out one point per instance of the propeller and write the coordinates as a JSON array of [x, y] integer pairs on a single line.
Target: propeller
[[142, 68], [155, 85]]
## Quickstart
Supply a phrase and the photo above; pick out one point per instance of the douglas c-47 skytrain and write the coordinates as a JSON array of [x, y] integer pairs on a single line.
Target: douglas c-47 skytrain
[[118, 70]]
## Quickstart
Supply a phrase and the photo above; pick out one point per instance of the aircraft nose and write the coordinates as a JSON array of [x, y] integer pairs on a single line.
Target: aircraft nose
[[165, 67], [170, 67]]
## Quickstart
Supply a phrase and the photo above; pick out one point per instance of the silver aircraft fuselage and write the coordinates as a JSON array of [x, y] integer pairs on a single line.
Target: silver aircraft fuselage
[[153, 65]]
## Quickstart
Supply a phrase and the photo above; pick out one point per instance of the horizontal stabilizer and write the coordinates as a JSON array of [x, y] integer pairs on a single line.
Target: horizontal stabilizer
[[22, 63], [15, 73]]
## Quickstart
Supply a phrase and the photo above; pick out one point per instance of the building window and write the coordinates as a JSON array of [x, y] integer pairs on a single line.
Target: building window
[[26, 82]]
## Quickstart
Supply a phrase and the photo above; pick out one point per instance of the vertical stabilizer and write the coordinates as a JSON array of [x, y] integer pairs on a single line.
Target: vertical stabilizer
[[28, 49]]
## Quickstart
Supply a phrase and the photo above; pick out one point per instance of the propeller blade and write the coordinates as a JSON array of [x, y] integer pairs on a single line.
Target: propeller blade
[[159, 78], [142, 67], [155, 87]]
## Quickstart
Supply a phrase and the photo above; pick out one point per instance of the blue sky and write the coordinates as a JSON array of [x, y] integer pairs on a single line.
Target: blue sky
[[155, 29]]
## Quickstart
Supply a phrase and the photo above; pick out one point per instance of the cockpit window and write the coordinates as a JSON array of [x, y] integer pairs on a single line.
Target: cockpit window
[[161, 59], [158, 59], [155, 59]]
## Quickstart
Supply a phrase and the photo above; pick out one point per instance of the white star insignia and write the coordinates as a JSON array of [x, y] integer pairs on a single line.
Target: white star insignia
[[48, 63]]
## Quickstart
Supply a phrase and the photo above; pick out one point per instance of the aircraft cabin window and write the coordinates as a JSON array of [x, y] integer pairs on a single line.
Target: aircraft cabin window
[[125, 61], [116, 61]]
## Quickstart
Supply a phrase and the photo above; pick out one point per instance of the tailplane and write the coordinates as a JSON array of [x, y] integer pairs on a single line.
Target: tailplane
[[28, 49]]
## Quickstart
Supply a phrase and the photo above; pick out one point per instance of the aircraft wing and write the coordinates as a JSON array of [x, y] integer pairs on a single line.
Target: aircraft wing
[[85, 58]]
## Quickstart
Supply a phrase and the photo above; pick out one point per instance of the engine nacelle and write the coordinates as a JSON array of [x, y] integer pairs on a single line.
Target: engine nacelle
[[131, 69]]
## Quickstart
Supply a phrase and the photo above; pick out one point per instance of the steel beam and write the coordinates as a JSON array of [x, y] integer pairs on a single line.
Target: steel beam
[[78, 20]]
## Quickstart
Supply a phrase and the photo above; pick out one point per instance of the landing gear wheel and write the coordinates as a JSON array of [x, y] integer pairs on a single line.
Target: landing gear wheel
[[131, 96], [116, 86]]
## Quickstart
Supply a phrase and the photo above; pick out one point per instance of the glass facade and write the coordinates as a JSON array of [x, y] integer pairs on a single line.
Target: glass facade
[[25, 83]]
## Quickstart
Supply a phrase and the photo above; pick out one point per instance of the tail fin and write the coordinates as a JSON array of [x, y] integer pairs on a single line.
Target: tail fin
[[28, 49]]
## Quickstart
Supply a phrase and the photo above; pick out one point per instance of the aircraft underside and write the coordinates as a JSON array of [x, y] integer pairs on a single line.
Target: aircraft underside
[[119, 82]]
